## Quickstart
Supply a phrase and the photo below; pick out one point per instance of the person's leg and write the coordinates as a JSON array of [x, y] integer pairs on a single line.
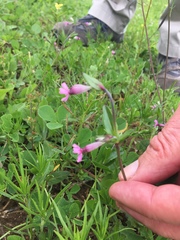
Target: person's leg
[[174, 41], [115, 13], [173, 46], [108, 18]]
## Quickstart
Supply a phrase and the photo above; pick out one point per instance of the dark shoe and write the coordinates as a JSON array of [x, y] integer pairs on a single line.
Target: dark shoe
[[86, 28], [172, 74]]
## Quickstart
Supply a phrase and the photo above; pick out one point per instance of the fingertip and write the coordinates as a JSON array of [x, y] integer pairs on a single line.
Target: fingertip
[[113, 190]]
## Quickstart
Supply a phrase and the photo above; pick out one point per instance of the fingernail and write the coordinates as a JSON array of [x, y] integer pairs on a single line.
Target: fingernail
[[130, 170]]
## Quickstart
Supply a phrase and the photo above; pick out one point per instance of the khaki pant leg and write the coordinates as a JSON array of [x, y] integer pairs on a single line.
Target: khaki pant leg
[[115, 13], [174, 43]]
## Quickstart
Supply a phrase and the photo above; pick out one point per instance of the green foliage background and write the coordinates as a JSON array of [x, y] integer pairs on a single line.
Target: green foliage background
[[39, 173]]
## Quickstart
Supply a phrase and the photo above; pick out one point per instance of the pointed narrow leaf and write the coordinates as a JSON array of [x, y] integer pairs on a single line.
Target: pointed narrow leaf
[[107, 120], [126, 134], [93, 82]]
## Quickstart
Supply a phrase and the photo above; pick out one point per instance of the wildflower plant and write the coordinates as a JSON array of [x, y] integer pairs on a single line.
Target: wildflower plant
[[58, 6], [115, 128]]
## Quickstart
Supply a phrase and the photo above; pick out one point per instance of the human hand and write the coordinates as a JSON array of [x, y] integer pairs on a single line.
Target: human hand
[[157, 207]]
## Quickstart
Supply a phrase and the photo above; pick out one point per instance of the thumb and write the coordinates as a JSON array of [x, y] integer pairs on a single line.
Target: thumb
[[161, 158]]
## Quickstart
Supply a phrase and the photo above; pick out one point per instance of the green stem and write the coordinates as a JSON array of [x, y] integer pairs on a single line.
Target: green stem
[[149, 50], [120, 161], [115, 130]]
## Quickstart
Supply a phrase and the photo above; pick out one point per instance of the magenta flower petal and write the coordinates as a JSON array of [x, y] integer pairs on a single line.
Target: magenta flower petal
[[92, 146], [88, 23], [113, 52], [157, 124], [88, 148], [66, 23], [64, 90], [153, 107], [75, 89], [79, 159], [79, 88], [77, 38], [77, 149], [65, 98]]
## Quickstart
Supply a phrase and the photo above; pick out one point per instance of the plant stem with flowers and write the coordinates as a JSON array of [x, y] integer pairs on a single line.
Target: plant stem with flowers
[[115, 130], [114, 134]]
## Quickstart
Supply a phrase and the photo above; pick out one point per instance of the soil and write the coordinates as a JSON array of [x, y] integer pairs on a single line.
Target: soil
[[11, 215]]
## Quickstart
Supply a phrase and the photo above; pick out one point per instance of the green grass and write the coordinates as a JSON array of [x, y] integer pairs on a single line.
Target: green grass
[[39, 173]]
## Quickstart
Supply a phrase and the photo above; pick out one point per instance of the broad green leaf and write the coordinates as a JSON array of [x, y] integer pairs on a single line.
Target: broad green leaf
[[2, 25], [57, 177], [13, 65], [15, 43], [4, 91], [131, 157], [122, 125], [47, 113], [36, 28], [14, 136], [93, 82], [2, 175], [75, 189], [61, 113], [131, 235], [27, 90], [84, 135], [54, 125], [107, 120], [2, 159], [7, 124], [14, 237], [74, 210], [161, 238], [11, 27]]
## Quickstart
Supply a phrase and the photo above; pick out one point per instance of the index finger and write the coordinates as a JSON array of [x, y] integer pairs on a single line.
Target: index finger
[[157, 203]]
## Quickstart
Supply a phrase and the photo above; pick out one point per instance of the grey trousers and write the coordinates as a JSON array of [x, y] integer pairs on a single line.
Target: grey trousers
[[117, 14]]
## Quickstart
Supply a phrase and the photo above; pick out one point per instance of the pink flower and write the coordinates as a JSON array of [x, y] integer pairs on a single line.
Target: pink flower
[[154, 107], [66, 23], [113, 52], [157, 124], [75, 89], [77, 38], [88, 148], [64, 90], [88, 23]]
